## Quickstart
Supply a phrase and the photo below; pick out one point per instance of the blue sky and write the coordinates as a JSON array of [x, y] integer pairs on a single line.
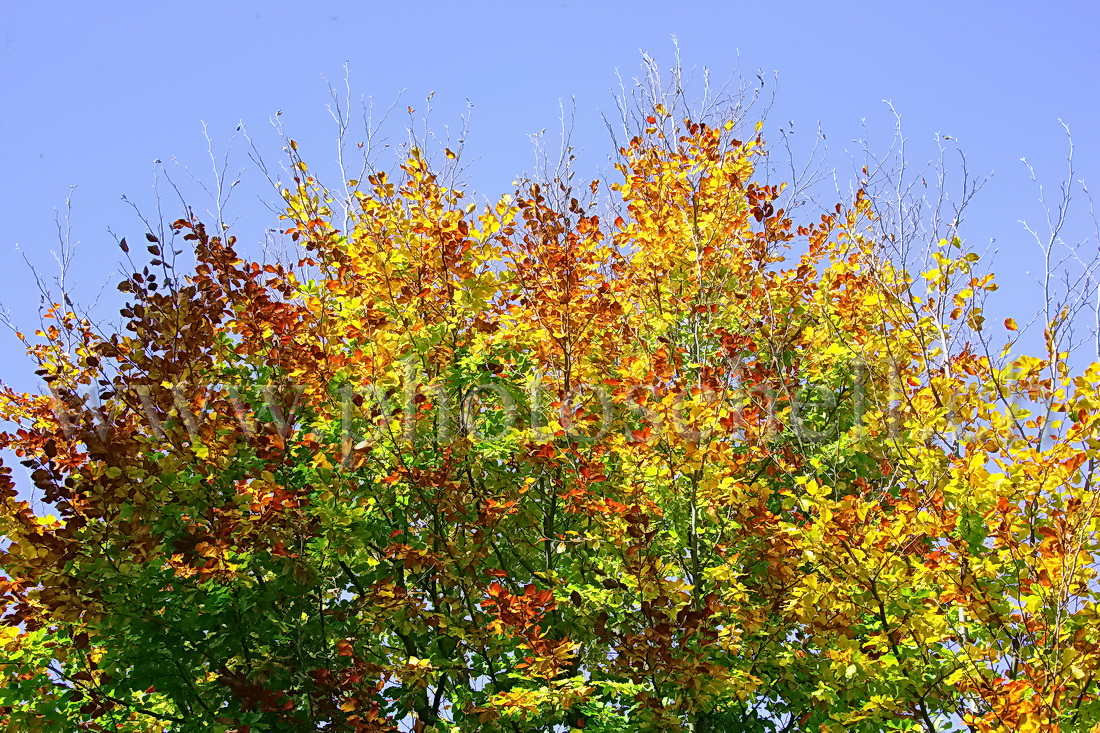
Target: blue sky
[[94, 93]]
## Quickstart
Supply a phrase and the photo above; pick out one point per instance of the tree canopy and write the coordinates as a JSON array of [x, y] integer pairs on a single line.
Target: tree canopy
[[645, 454]]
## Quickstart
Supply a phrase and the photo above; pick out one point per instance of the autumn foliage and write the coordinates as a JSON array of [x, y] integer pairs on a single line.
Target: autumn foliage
[[641, 455]]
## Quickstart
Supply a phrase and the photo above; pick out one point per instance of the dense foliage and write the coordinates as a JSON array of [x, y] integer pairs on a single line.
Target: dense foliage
[[670, 462]]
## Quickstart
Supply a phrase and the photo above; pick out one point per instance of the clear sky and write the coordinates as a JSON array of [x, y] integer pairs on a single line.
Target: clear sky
[[94, 93]]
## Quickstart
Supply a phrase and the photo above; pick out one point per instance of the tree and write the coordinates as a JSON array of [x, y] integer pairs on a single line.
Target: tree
[[521, 467]]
